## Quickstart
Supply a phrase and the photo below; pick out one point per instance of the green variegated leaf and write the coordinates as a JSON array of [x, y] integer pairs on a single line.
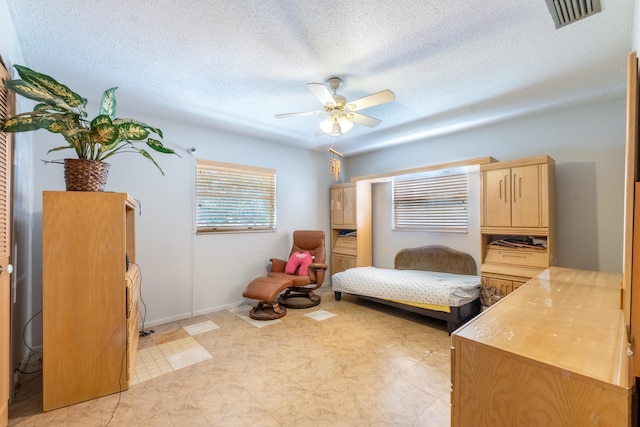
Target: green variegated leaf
[[64, 147], [157, 145], [148, 156], [46, 107], [104, 134], [144, 125], [30, 91], [26, 123], [132, 131], [51, 85], [57, 127], [155, 130], [101, 119], [108, 103]]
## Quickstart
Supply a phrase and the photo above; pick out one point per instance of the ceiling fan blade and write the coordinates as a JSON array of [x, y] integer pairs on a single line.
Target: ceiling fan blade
[[371, 100], [307, 113], [361, 119], [322, 93]]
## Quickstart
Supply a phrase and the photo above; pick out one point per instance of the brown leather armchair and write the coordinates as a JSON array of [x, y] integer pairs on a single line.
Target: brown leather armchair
[[300, 294]]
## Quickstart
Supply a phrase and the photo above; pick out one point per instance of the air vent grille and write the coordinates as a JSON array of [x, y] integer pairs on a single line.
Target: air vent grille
[[564, 12]]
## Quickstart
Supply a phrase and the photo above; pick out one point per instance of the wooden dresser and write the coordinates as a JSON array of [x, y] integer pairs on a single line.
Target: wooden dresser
[[89, 295], [552, 353]]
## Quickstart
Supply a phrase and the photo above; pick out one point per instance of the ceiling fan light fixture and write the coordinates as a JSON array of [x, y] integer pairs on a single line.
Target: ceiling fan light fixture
[[345, 125], [326, 125], [336, 129]]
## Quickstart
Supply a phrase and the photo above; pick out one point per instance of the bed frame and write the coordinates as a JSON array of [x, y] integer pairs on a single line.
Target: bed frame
[[440, 259]]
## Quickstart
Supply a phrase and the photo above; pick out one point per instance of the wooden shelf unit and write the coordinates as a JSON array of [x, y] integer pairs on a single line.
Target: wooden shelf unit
[[89, 296], [517, 199], [350, 212]]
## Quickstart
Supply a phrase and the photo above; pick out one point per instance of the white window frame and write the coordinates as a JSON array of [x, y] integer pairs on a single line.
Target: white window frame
[[431, 201], [234, 198]]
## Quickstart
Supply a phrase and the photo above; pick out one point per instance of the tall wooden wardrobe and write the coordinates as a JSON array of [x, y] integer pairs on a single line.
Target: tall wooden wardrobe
[[351, 244], [90, 291], [517, 202]]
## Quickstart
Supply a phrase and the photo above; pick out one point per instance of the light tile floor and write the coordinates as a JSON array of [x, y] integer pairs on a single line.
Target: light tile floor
[[342, 363]]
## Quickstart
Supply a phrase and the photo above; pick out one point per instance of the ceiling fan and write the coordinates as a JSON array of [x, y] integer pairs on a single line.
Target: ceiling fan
[[341, 115]]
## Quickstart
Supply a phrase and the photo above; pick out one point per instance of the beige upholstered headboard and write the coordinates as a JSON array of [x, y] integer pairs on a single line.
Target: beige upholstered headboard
[[435, 258]]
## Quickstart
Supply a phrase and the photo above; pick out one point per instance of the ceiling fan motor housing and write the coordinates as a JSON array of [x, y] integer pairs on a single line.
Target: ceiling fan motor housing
[[340, 101], [334, 83]]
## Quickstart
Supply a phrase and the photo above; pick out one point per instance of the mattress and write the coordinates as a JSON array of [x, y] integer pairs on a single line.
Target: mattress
[[411, 286]]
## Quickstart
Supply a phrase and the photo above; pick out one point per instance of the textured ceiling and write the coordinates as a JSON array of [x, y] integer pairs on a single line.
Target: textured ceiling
[[234, 64]]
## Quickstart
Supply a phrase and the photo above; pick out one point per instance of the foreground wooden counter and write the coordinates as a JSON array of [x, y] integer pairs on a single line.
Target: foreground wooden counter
[[552, 353]]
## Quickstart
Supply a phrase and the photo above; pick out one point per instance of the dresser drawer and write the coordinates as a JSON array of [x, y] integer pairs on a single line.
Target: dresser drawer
[[346, 245], [534, 258]]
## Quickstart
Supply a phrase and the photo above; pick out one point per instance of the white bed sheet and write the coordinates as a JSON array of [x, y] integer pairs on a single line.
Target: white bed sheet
[[453, 290]]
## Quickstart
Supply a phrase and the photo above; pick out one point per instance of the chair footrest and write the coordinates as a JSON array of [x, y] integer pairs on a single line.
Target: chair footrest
[[266, 288]]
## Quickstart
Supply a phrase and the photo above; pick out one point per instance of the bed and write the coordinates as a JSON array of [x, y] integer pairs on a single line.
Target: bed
[[434, 281]]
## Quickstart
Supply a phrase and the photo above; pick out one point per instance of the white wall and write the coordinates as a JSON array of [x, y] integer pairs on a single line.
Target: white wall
[[635, 34], [587, 143], [183, 273]]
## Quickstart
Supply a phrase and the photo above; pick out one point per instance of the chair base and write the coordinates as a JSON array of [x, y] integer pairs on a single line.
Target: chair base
[[299, 299], [267, 311]]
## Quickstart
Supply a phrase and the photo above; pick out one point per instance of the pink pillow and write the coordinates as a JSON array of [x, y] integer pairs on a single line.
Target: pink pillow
[[301, 259]]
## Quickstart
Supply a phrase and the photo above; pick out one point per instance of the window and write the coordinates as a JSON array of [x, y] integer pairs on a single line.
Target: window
[[234, 198], [431, 201]]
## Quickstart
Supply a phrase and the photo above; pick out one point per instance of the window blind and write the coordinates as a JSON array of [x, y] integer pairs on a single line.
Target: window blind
[[431, 202], [234, 198]]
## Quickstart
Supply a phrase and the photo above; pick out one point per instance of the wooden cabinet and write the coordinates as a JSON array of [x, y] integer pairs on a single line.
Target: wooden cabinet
[[536, 359], [516, 194], [504, 286], [513, 197], [90, 291], [342, 263], [517, 199], [343, 205], [350, 226]]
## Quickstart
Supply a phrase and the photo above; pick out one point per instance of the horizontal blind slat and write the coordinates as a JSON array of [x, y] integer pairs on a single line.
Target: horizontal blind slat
[[431, 203], [234, 197]]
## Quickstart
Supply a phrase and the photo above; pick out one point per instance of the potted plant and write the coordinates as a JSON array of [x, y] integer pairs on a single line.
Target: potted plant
[[60, 110]]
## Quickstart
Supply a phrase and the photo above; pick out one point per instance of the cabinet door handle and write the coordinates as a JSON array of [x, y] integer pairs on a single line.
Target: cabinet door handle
[[517, 188], [9, 269], [520, 187], [453, 369], [504, 183]]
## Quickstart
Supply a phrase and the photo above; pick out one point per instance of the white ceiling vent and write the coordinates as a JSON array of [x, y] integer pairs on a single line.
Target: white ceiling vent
[[565, 12]]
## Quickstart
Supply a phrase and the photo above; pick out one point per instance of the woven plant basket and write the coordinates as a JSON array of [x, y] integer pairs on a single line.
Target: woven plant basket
[[85, 175]]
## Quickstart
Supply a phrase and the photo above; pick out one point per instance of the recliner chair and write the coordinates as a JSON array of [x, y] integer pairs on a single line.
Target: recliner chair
[[300, 294], [297, 284]]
